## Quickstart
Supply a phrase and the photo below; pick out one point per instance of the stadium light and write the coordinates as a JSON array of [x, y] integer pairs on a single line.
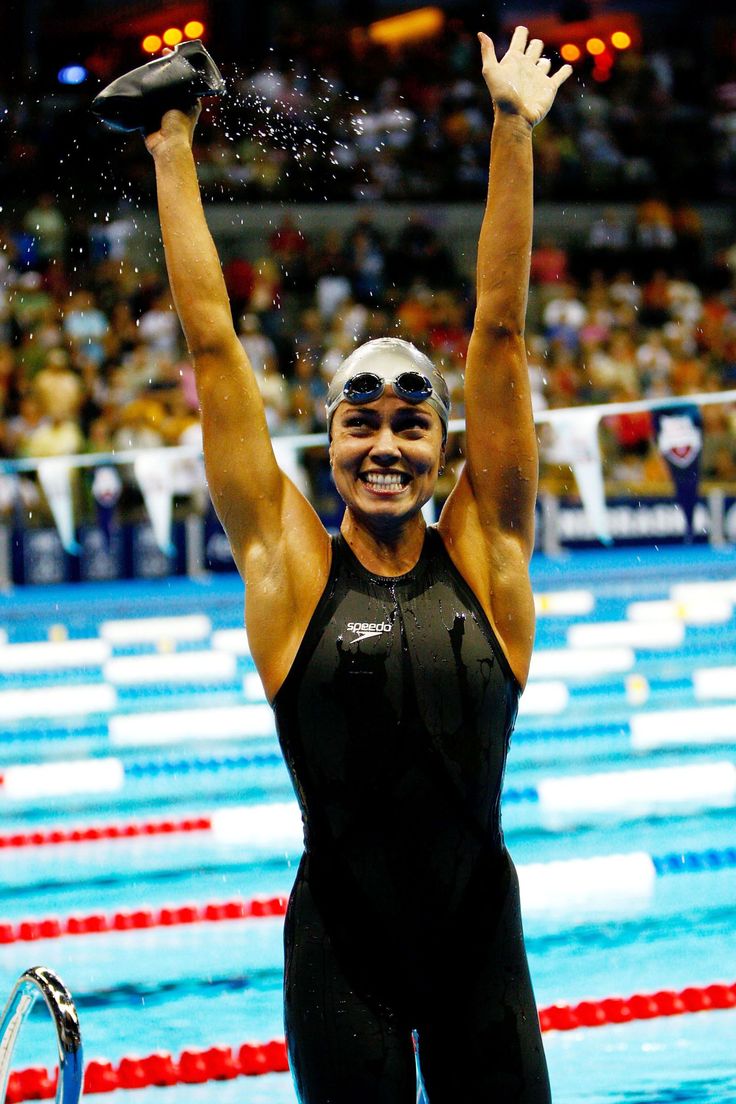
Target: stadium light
[[408, 27], [172, 36], [595, 46], [72, 74], [570, 52], [621, 40]]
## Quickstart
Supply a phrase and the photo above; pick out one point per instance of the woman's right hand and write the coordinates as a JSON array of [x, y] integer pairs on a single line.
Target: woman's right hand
[[175, 127]]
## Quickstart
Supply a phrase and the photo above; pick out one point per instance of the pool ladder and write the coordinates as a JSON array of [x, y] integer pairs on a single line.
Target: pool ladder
[[34, 982]]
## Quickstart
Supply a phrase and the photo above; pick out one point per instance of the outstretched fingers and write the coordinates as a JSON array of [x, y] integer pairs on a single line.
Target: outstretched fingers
[[534, 49], [488, 50], [544, 65], [518, 39], [561, 75]]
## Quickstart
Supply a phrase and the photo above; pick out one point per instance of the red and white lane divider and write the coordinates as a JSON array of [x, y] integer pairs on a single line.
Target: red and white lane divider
[[54, 927], [544, 886], [223, 1063], [270, 827], [103, 833]]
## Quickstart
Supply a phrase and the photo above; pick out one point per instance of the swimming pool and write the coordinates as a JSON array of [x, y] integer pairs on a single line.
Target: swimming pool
[[148, 711]]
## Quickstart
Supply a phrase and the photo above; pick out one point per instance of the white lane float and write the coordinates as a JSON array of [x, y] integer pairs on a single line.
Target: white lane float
[[261, 828], [181, 667], [231, 640], [253, 687], [564, 603], [600, 881], [62, 779], [575, 798], [53, 656], [175, 726], [683, 727], [715, 682], [544, 698], [632, 634], [580, 662], [152, 630], [709, 610], [57, 701]]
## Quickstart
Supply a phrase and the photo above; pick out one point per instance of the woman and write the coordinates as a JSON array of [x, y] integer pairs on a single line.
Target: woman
[[394, 655]]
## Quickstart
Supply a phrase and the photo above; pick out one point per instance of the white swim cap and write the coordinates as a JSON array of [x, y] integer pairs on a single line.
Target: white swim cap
[[393, 362]]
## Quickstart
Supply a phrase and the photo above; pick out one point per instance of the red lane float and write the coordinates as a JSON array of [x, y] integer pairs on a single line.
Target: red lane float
[[103, 833], [29, 931], [222, 1063]]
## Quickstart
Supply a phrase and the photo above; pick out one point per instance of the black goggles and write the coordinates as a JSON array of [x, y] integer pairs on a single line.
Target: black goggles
[[366, 387]]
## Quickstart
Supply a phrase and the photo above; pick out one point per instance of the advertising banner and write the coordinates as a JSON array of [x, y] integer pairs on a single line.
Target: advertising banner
[[678, 432]]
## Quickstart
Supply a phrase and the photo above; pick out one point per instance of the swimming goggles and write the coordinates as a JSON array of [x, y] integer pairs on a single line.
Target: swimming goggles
[[366, 387]]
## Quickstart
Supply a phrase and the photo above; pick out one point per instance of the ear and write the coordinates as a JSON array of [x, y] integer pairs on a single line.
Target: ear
[[443, 459]]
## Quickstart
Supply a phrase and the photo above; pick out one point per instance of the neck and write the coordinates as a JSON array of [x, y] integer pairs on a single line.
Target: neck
[[391, 551]]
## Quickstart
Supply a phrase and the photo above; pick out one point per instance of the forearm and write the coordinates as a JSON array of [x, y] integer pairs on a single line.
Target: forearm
[[195, 275], [504, 246]]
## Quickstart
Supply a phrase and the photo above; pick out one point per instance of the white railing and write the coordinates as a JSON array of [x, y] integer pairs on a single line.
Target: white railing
[[300, 442], [572, 439]]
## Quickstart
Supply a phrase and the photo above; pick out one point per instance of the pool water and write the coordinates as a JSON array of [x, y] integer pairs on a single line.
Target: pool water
[[667, 923]]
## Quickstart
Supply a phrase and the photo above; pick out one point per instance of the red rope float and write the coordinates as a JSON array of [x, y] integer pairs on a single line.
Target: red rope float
[[222, 1063], [105, 832], [28, 931]]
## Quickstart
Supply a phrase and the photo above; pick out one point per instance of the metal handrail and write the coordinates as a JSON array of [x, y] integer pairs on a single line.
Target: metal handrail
[[40, 980]]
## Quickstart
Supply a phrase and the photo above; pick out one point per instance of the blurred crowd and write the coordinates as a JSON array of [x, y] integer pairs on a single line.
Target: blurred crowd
[[92, 358], [331, 115], [414, 124]]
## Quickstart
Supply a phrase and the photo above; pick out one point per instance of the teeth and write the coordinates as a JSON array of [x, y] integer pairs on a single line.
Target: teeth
[[384, 480]]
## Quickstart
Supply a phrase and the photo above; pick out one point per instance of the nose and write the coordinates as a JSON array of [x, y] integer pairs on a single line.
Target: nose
[[384, 449]]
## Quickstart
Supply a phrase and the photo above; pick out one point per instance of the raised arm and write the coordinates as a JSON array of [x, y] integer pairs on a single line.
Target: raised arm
[[501, 440], [248, 489], [488, 519]]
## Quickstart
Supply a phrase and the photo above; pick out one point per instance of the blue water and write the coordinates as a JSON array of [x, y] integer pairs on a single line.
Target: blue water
[[167, 989]]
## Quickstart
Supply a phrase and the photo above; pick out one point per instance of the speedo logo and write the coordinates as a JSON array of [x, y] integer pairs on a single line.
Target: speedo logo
[[365, 629]]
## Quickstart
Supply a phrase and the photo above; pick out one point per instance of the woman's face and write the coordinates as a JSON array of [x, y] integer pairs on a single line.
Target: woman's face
[[385, 457]]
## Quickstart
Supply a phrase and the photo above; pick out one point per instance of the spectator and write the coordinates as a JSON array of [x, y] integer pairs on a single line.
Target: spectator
[[259, 349], [564, 314], [55, 436], [159, 327], [47, 227], [58, 388], [85, 325], [549, 265]]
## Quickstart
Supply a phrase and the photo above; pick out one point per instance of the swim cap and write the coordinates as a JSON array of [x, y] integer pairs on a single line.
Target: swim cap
[[389, 358]]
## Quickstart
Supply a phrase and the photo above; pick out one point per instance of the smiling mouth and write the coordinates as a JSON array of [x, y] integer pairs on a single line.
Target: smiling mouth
[[385, 483]]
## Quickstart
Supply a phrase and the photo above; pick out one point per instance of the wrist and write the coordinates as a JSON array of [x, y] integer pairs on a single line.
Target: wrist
[[168, 148], [512, 122]]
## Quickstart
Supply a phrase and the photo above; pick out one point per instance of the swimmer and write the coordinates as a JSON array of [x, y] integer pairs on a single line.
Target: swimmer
[[393, 654]]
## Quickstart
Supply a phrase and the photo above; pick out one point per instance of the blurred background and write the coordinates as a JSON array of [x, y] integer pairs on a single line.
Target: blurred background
[[148, 832], [344, 176]]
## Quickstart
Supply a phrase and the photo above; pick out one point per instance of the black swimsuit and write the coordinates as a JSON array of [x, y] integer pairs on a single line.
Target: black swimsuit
[[394, 721]]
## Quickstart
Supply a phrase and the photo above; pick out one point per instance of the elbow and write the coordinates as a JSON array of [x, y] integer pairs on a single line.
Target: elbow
[[213, 345], [498, 326], [209, 332], [501, 316]]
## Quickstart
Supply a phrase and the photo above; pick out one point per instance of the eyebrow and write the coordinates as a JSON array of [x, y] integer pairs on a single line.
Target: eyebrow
[[407, 412]]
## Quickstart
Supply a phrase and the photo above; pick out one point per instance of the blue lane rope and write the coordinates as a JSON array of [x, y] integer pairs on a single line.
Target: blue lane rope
[[685, 862], [150, 768]]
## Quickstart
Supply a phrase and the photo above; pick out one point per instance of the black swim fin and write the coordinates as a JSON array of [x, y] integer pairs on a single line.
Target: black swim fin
[[138, 100]]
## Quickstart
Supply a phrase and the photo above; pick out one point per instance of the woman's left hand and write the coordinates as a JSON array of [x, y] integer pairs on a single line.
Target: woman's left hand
[[520, 83]]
